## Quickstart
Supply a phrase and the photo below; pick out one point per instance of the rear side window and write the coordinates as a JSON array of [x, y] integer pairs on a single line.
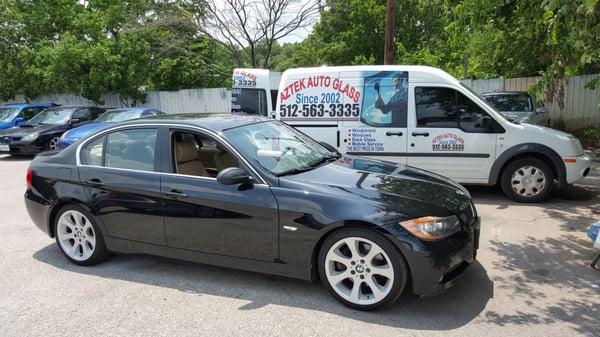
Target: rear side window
[[91, 153], [129, 149], [30, 112], [448, 108]]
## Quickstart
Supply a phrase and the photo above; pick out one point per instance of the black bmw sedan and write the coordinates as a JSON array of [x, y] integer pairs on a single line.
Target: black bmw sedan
[[255, 194], [43, 131]]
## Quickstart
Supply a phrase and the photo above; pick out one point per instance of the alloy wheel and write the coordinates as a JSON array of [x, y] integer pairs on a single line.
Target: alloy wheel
[[53, 145], [528, 181], [359, 270], [76, 235]]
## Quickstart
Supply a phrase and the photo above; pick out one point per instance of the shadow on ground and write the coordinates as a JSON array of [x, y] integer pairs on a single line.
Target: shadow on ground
[[450, 310], [14, 158]]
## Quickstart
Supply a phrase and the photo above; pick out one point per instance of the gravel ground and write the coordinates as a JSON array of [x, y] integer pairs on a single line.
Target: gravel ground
[[532, 279]]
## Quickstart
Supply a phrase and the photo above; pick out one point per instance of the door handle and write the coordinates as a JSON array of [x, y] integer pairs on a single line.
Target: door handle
[[390, 133], [94, 182], [175, 194], [424, 134]]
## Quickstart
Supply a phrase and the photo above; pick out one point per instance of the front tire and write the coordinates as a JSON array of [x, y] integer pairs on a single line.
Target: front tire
[[527, 180], [78, 237], [361, 269]]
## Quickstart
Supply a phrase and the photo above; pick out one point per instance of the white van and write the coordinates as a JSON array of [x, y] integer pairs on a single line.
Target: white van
[[254, 91], [424, 117]]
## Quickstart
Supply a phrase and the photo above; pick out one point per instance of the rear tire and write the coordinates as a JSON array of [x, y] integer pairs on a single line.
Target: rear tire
[[527, 180], [78, 237], [362, 269]]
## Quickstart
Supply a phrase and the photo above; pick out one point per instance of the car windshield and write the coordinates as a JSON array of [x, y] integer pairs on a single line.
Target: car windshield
[[8, 114], [52, 116], [510, 102], [278, 148], [115, 116]]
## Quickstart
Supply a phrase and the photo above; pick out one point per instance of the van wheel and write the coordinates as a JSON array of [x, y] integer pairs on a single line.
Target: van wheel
[[361, 269], [527, 180]]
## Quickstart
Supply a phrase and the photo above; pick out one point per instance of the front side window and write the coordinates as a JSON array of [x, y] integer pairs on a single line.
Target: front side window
[[278, 148], [83, 115], [250, 101], [30, 112], [439, 107], [195, 154]]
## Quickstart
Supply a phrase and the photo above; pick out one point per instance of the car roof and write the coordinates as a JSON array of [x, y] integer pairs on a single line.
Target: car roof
[[212, 121], [505, 93], [61, 107], [30, 105], [137, 109]]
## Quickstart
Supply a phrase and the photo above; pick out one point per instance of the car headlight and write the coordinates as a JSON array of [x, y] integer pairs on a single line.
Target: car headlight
[[432, 228], [31, 136]]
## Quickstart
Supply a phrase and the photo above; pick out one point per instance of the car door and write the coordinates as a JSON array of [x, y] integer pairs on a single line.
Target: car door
[[380, 129], [120, 173], [450, 134], [206, 216]]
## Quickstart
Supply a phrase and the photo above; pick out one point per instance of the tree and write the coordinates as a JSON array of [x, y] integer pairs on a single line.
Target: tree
[[246, 26]]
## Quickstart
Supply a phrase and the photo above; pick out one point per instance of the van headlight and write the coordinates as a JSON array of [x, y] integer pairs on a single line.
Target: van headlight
[[577, 144], [432, 228]]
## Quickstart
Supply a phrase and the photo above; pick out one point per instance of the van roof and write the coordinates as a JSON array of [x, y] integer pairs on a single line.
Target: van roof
[[416, 73]]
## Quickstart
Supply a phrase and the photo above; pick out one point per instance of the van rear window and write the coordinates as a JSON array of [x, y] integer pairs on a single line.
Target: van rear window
[[250, 101]]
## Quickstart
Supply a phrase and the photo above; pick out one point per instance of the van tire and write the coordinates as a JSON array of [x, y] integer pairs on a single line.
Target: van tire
[[533, 180]]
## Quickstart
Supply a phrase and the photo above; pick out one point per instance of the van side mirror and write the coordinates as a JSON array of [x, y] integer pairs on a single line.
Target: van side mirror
[[234, 176], [541, 110]]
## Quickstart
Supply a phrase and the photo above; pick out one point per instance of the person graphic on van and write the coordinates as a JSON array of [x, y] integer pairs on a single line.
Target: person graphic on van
[[390, 114]]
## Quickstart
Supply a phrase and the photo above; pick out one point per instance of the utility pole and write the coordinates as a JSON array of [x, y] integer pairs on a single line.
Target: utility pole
[[388, 57]]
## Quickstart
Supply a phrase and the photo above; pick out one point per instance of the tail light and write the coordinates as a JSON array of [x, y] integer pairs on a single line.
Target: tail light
[[29, 177]]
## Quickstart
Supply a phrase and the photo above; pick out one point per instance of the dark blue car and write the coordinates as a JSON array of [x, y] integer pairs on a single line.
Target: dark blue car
[[16, 114], [108, 118]]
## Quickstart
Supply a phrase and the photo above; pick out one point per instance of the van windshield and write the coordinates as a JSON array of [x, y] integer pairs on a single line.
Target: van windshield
[[250, 101]]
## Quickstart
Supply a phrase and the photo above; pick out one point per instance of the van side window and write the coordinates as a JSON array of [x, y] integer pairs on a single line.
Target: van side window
[[250, 101], [385, 101], [448, 108]]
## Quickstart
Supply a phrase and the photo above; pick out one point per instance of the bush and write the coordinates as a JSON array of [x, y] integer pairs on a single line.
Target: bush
[[589, 136]]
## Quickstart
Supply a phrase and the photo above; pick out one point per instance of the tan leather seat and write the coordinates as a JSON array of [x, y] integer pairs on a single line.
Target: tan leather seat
[[186, 160], [224, 159]]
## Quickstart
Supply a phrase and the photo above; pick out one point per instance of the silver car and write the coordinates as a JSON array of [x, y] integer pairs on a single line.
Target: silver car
[[519, 106]]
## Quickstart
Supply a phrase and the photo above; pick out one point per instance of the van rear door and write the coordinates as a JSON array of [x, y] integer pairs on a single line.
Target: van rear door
[[379, 130], [450, 134]]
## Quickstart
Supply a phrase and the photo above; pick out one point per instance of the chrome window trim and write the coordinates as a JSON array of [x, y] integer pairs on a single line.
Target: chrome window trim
[[256, 175]]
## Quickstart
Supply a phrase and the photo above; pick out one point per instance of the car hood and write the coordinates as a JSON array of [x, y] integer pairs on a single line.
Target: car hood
[[85, 130], [397, 190], [25, 129], [6, 125]]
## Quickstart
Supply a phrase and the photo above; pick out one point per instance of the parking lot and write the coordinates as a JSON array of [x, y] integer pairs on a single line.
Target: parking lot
[[532, 279]]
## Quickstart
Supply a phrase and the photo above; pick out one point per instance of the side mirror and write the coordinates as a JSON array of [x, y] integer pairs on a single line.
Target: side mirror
[[20, 120], [541, 110], [234, 176], [329, 147], [73, 121]]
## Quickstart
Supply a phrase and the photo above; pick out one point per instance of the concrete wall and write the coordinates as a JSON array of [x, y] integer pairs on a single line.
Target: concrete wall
[[181, 101]]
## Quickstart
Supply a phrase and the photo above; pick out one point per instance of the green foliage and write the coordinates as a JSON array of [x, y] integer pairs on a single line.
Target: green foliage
[[589, 136]]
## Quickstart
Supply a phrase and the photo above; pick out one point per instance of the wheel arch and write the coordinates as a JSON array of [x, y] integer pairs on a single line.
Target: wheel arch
[[59, 205], [535, 150]]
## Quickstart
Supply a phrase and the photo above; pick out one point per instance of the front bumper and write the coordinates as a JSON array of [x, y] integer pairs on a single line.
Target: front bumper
[[22, 148], [577, 168], [437, 270]]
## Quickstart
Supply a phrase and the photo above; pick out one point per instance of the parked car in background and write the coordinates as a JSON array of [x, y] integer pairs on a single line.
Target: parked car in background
[[108, 118], [519, 106], [16, 114], [251, 193], [43, 131]]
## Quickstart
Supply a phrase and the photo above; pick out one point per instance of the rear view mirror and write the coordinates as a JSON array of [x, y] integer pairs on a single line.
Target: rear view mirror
[[233, 176]]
